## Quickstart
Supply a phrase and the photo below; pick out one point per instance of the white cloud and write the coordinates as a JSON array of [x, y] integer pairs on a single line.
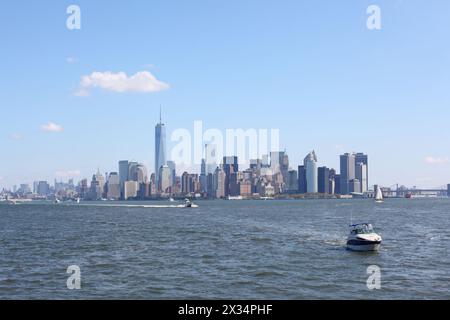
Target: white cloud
[[71, 60], [52, 127], [16, 136], [120, 82], [437, 160], [67, 174]]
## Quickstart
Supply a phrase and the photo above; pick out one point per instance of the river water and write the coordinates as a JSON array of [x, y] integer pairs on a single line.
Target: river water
[[223, 250]]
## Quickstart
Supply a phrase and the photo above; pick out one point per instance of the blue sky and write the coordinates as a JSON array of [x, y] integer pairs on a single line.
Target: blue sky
[[310, 68]]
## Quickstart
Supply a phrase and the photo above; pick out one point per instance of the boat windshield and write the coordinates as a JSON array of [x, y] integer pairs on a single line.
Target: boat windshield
[[363, 229]]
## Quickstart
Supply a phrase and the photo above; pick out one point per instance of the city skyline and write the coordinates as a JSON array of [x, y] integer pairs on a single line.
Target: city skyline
[[314, 71], [264, 177], [221, 176], [160, 135]]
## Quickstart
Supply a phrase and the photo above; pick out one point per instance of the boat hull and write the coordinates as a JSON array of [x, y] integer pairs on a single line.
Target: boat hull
[[362, 246]]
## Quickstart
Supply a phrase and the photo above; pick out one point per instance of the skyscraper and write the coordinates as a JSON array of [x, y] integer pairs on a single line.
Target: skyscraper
[[97, 187], [130, 189], [210, 186], [123, 175], [275, 161], [203, 180], [123, 171], [302, 184], [285, 168], [113, 186], [131, 170], [310, 163], [165, 179], [230, 166], [173, 171], [101, 182], [160, 148], [332, 189], [292, 181], [364, 180], [337, 184], [220, 180], [185, 185], [279, 163], [354, 186], [361, 175], [137, 172], [347, 172], [324, 180]]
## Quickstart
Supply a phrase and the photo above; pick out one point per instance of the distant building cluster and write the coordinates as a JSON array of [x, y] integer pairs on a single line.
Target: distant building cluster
[[268, 177]]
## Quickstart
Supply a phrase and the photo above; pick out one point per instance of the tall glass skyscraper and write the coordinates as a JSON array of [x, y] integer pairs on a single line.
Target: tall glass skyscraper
[[230, 166], [160, 148], [310, 163], [348, 173], [324, 180], [123, 171], [361, 175], [302, 180], [364, 179]]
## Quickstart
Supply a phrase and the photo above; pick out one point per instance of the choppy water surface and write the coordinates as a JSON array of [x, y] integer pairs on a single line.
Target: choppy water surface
[[223, 250]]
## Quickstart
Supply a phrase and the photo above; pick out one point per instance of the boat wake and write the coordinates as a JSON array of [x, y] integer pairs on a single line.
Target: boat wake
[[138, 206]]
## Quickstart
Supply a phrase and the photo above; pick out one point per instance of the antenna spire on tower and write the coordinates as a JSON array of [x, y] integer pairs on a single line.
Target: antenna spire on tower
[[160, 114]]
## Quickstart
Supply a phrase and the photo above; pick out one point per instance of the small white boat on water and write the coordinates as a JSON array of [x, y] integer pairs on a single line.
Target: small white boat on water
[[9, 201], [188, 204], [362, 237], [379, 195]]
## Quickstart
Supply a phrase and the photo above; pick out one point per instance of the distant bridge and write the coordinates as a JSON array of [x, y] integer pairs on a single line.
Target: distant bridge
[[416, 192]]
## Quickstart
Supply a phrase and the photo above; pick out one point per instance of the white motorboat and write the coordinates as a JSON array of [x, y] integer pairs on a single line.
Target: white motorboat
[[363, 238], [189, 204]]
